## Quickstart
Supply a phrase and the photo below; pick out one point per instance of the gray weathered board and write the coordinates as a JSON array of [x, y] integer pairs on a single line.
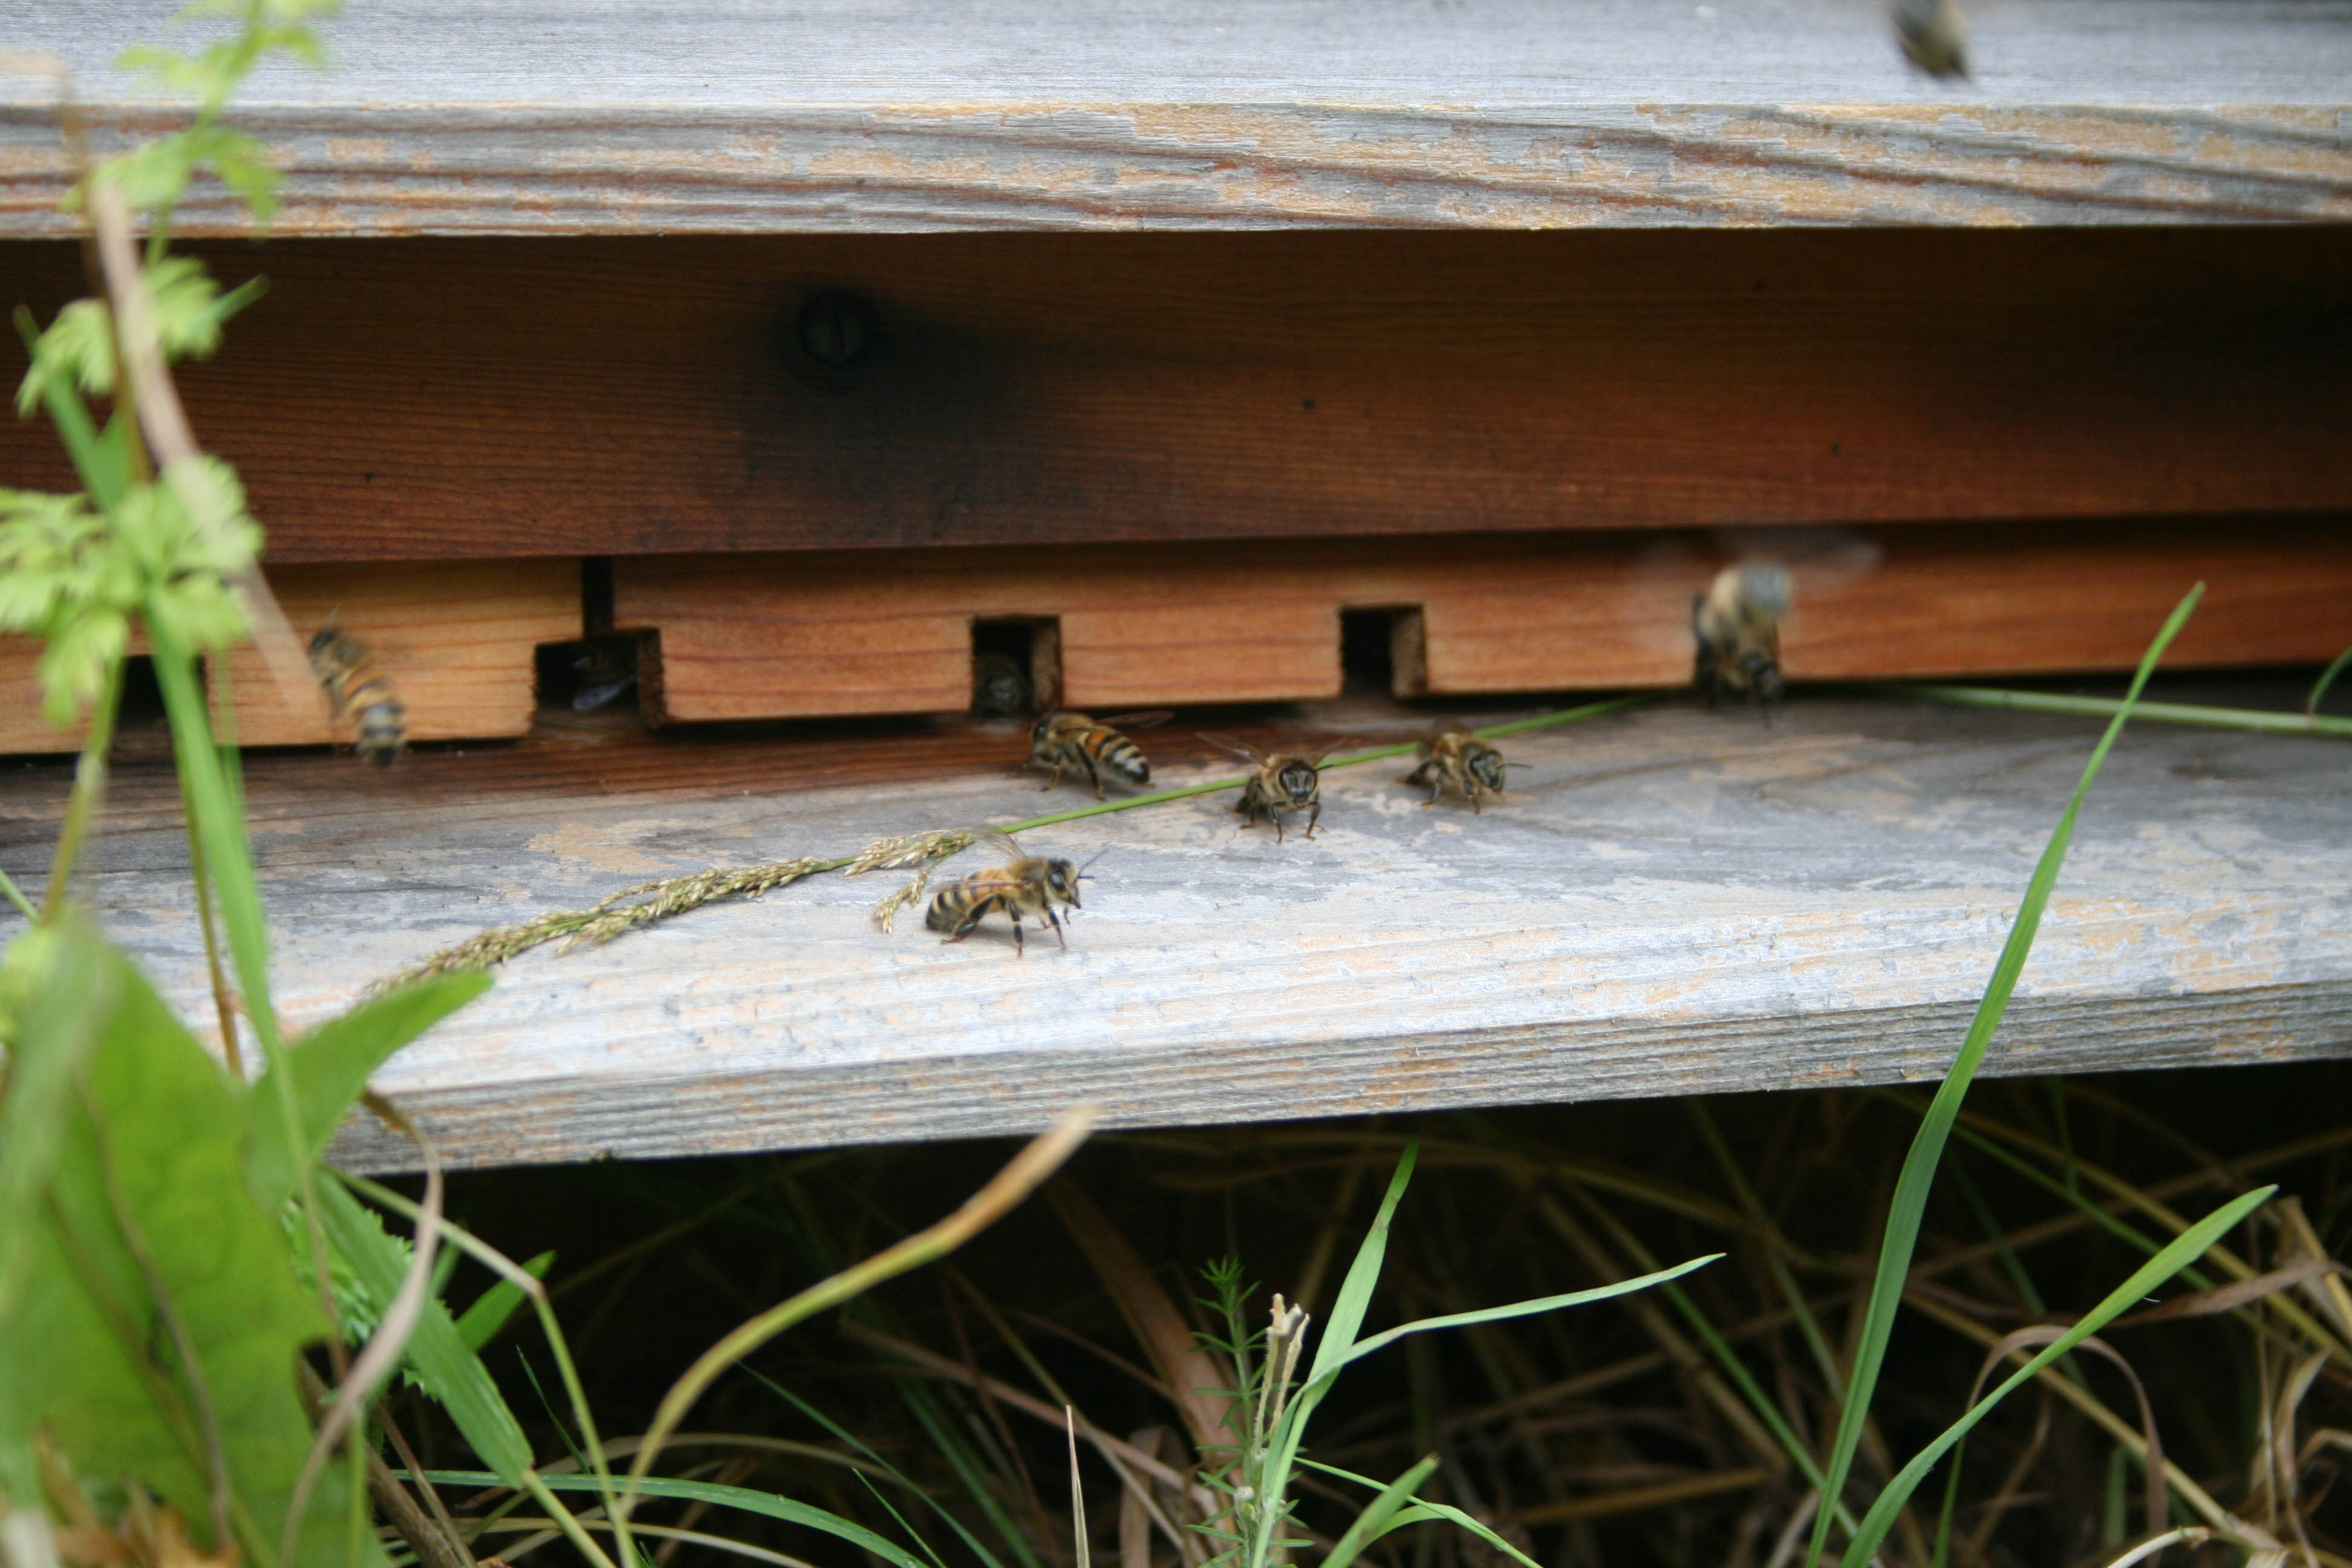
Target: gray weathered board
[[642, 116], [1670, 900]]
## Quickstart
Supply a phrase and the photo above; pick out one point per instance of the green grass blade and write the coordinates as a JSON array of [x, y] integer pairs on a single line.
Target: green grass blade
[[1373, 1522], [2254, 718], [15, 895], [713, 1492], [2327, 679], [478, 1324], [1422, 1512], [1515, 1310], [2183, 1251], [1910, 1203]]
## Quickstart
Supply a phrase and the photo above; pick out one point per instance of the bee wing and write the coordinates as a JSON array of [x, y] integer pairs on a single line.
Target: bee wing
[[1001, 844], [1143, 720], [1450, 727], [1237, 748], [1315, 756]]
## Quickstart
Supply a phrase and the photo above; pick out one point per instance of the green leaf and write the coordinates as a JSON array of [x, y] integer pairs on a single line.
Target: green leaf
[[1909, 1204], [136, 1232], [478, 1324], [331, 1065], [744, 1497], [1373, 1522], [2184, 1250], [1422, 1512], [73, 666], [443, 1365], [76, 351]]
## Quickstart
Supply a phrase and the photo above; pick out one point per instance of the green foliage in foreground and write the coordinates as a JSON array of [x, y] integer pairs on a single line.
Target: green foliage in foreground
[[150, 1314]]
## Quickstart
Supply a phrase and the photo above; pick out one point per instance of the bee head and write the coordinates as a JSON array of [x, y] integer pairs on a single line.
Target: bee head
[[1296, 778], [1763, 675], [1487, 766], [1062, 883]]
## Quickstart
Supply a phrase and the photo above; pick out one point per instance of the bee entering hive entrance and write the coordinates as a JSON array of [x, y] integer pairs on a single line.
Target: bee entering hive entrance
[[1380, 650], [1016, 665], [589, 673]]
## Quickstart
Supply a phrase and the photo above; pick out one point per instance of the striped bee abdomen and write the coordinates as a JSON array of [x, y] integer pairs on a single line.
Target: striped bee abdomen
[[1120, 755], [363, 698]]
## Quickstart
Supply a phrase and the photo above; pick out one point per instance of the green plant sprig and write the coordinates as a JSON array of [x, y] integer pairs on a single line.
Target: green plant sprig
[[649, 902]]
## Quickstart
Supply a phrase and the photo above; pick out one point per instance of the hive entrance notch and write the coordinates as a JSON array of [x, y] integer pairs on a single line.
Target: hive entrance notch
[[1016, 665], [1381, 650]]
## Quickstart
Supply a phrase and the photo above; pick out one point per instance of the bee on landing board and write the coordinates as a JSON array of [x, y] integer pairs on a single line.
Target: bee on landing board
[[1738, 623], [1284, 781], [1025, 884], [1077, 743], [362, 697], [1454, 760]]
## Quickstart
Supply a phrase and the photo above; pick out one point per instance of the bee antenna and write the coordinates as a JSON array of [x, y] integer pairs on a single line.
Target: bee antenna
[[1090, 865]]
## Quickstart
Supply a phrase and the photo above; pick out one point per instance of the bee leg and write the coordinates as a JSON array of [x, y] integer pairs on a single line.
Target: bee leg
[[1314, 815], [1056, 922], [1095, 778], [1019, 951], [965, 929]]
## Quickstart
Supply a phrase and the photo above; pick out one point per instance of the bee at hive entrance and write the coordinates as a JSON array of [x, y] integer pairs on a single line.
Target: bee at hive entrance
[[1380, 651], [1016, 665]]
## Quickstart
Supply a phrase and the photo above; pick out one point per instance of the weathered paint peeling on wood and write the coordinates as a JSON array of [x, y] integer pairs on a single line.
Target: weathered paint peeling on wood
[[532, 168]]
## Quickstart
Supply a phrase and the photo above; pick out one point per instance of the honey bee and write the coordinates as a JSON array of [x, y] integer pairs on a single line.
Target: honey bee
[[1025, 884], [1932, 36], [1284, 781], [998, 689], [1738, 623], [1076, 743], [361, 695], [1454, 759]]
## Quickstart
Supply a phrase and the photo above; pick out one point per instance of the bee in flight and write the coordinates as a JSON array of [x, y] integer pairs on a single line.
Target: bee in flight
[[1284, 781], [1453, 759], [362, 697], [1025, 884], [1074, 742], [1932, 36], [1738, 623]]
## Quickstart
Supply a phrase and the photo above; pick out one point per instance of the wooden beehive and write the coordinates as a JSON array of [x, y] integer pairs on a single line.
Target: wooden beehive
[[816, 349]]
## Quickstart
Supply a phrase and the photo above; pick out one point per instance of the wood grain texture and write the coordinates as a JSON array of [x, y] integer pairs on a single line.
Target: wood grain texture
[[457, 641], [1668, 901], [823, 633], [442, 399], [637, 117]]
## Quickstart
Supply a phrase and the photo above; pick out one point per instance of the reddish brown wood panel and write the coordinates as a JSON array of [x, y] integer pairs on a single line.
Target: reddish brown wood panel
[[875, 632], [457, 640], [445, 398]]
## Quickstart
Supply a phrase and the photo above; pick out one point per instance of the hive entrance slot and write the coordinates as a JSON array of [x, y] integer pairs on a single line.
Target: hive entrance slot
[[1016, 665], [1380, 650]]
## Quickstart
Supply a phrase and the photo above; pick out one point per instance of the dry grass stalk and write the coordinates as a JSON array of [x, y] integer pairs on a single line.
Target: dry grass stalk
[[665, 897]]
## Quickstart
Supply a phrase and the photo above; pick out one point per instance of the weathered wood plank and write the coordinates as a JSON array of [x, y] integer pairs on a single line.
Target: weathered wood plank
[[639, 117], [793, 635], [440, 399], [1669, 901], [457, 640]]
